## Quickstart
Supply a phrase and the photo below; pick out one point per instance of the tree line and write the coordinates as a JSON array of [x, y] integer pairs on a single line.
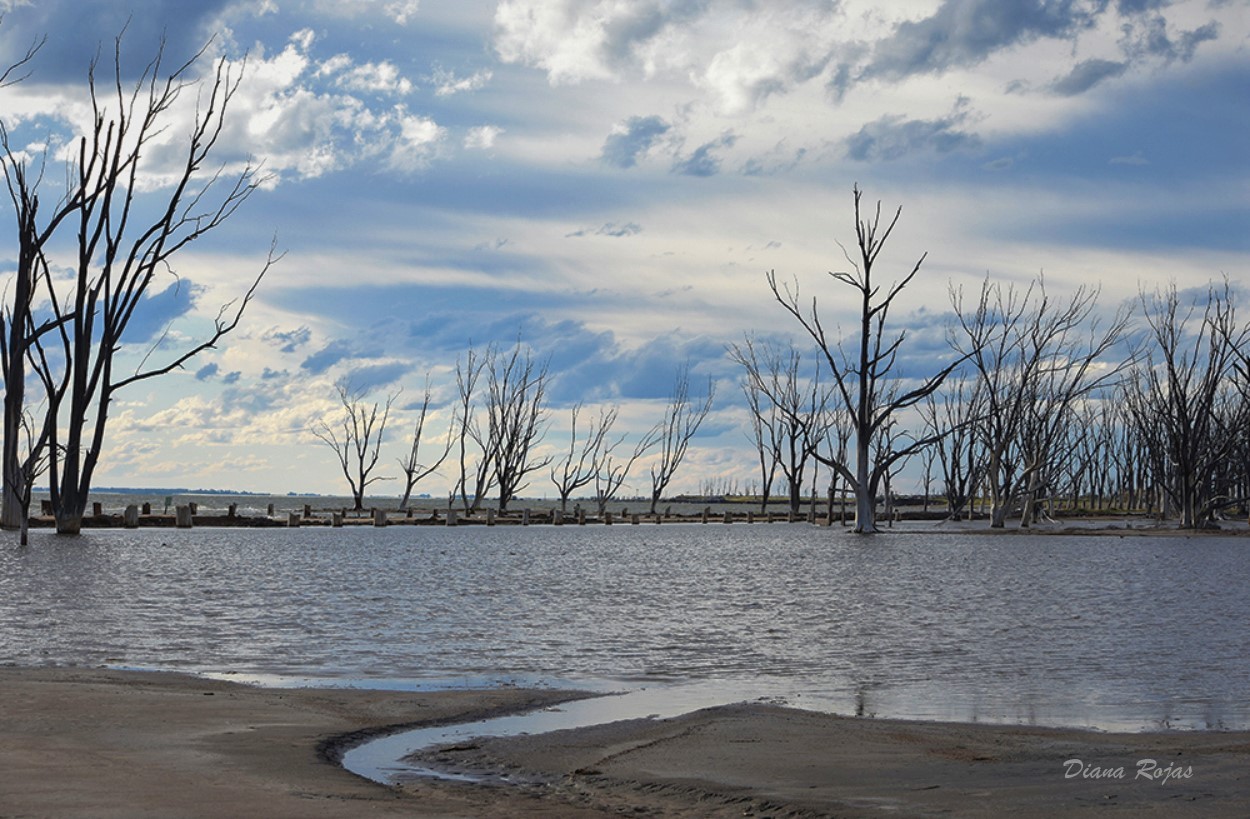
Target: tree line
[[492, 446]]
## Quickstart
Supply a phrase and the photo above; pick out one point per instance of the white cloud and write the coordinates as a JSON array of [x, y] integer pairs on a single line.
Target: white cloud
[[482, 137], [447, 83]]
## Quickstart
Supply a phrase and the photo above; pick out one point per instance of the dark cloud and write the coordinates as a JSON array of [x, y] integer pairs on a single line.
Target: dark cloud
[[893, 137], [1085, 75], [966, 32], [326, 357], [622, 150], [77, 30], [1150, 37], [155, 312], [611, 229], [373, 376], [232, 377], [206, 372], [703, 162], [288, 341]]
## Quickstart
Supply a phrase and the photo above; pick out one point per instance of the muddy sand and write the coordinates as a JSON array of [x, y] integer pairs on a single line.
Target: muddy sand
[[102, 743]]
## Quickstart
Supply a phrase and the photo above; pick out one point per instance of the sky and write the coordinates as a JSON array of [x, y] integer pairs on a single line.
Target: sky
[[610, 180]]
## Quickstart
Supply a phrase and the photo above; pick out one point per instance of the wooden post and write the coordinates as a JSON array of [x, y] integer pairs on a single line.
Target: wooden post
[[96, 509], [636, 519], [729, 518], [336, 519], [232, 510], [707, 510], [607, 518], [525, 517], [581, 517], [45, 508], [182, 517], [451, 517], [270, 512], [658, 519], [130, 518], [557, 517], [790, 516], [292, 520], [379, 517], [194, 507], [490, 517], [750, 516], [307, 511], [147, 509]]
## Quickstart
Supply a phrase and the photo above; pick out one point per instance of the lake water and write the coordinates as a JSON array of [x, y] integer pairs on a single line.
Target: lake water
[[1125, 632]]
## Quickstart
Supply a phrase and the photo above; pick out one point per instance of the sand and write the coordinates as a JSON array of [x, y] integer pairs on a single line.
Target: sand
[[102, 743]]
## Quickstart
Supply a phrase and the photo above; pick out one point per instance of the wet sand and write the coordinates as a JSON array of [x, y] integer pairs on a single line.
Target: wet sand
[[85, 742]]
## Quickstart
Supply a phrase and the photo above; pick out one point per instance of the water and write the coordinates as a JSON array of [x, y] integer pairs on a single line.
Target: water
[[1126, 632]]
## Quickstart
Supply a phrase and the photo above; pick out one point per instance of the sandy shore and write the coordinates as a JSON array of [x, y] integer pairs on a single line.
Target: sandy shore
[[80, 742]]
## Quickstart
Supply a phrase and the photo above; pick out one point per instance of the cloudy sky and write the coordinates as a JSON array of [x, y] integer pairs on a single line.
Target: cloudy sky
[[610, 180]]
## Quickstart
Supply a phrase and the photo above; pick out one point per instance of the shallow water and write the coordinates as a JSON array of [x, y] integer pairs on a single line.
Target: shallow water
[[1114, 632]]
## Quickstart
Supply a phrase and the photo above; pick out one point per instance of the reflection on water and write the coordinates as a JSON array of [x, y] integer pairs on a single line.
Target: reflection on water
[[1124, 632]]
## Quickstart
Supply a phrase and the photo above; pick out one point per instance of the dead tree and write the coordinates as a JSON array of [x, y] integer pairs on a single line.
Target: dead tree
[[956, 410], [1035, 357], [415, 471], [682, 419], [862, 378], [611, 472], [516, 419], [790, 413], [579, 466], [123, 239], [356, 439], [475, 479], [1183, 399]]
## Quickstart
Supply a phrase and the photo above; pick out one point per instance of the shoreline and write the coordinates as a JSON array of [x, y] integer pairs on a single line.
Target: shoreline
[[101, 743]]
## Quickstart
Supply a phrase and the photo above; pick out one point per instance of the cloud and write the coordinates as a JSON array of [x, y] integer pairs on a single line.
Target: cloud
[[157, 311], [893, 137], [633, 138], [373, 376], [703, 162], [1149, 36], [369, 78], [966, 32], [447, 83], [326, 357], [1085, 75], [609, 229], [206, 372], [288, 341], [482, 137], [577, 40]]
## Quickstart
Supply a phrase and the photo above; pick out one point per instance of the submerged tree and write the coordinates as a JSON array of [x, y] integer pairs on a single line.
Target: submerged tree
[[356, 438], [129, 220], [682, 419], [1184, 401], [414, 470], [583, 462], [863, 377]]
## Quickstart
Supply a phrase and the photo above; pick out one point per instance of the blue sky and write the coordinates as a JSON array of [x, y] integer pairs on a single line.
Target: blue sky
[[611, 180]]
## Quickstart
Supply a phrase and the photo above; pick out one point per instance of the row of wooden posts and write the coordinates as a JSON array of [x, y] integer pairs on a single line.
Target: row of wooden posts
[[184, 515]]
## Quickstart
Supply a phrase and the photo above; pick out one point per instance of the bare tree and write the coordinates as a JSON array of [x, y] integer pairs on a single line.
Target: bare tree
[[790, 410], [862, 378], [356, 438], [516, 418], [956, 410], [1035, 357], [682, 419], [481, 475], [611, 472], [123, 239], [1183, 399], [580, 465], [414, 470]]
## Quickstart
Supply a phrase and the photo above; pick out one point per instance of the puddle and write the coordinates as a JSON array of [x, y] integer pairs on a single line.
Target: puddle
[[383, 759]]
